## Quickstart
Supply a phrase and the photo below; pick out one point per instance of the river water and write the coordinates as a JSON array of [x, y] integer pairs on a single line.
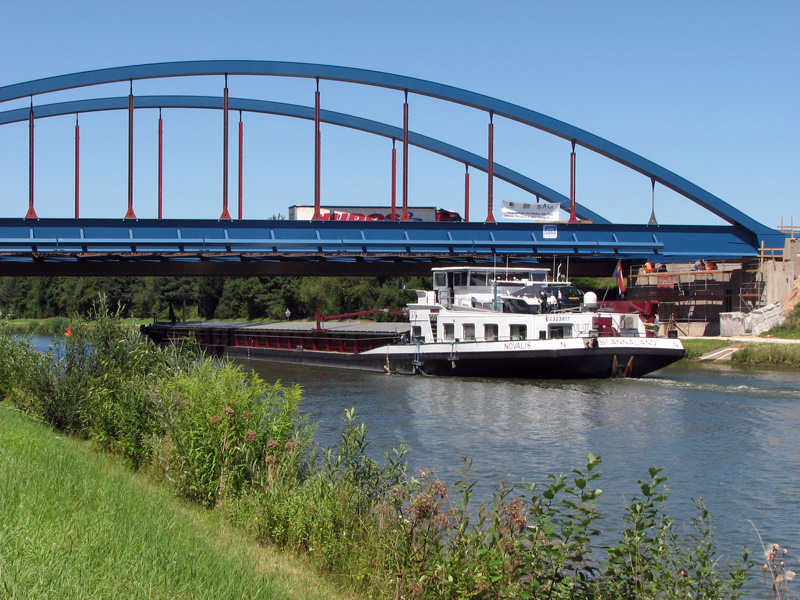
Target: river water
[[728, 435]]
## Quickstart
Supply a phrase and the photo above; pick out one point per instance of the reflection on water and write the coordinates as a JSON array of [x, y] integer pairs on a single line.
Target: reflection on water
[[728, 436]]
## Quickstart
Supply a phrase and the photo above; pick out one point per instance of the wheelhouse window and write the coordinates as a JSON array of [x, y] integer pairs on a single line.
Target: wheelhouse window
[[479, 278], [449, 331], [468, 332], [519, 332], [490, 332], [557, 331]]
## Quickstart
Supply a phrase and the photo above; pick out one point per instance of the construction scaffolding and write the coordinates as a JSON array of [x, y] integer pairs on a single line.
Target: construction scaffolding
[[692, 296]]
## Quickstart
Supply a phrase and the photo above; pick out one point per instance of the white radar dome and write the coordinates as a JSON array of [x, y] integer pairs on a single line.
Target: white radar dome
[[590, 300]]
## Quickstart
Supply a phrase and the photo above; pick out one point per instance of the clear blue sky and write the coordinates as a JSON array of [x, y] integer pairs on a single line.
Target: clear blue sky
[[709, 90]]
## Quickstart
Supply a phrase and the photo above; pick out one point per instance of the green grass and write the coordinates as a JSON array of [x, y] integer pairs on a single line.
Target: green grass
[[790, 329], [55, 325], [753, 354], [771, 354], [78, 524], [696, 348]]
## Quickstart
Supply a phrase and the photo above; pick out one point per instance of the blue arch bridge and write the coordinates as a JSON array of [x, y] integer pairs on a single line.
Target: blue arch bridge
[[226, 245]]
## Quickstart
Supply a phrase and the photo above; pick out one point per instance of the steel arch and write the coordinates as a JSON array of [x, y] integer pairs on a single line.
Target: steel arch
[[526, 116], [304, 112]]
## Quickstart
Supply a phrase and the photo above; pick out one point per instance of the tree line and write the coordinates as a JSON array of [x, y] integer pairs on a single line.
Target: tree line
[[166, 298]]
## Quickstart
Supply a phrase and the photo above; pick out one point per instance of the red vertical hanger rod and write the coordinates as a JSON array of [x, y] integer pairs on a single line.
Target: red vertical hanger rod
[[77, 167], [393, 215], [31, 214], [130, 214], [160, 164], [241, 153], [490, 217], [317, 158], [404, 216], [225, 214]]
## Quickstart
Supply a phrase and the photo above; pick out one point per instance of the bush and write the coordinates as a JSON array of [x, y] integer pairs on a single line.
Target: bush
[[20, 367], [228, 430]]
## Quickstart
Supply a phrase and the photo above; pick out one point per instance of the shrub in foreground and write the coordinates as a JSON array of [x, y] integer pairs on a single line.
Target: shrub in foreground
[[226, 431]]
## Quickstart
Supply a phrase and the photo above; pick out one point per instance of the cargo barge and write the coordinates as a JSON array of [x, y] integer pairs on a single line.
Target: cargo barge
[[475, 322]]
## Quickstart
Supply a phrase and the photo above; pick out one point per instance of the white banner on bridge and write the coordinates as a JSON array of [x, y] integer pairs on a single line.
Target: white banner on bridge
[[531, 211]]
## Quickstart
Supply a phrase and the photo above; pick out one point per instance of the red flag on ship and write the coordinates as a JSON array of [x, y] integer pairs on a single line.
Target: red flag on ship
[[619, 277]]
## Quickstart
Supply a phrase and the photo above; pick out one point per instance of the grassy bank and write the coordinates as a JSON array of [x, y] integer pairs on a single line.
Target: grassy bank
[[790, 329], [54, 326], [51, 326], [756, 353], [226, 441], [79, 524]]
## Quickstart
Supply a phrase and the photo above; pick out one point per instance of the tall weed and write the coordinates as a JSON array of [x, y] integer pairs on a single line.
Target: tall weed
[[20, 367], [227, 430]]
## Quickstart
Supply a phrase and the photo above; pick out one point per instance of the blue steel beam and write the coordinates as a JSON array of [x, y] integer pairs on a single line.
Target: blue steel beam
[[303, 112], [23, 239], [410, 84]]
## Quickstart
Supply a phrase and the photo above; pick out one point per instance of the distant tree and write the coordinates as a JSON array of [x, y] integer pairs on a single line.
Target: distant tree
[[14, 292], [231, 302], [207, 292], [214, 297]]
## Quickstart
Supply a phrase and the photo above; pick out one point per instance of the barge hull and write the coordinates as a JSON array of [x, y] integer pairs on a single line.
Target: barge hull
[[551, 364], [576, 358]]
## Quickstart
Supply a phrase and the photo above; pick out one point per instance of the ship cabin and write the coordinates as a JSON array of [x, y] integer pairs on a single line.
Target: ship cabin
[[466, 306], [479, 287]]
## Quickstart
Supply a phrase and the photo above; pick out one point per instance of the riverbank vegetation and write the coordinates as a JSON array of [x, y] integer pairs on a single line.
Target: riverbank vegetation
[[224, 440], [790, 329], [762, 352], [755, 353], [78, 524], [170, 298]]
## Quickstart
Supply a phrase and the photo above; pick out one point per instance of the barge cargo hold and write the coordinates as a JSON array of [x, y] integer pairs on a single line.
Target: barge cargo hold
[[341, 345]]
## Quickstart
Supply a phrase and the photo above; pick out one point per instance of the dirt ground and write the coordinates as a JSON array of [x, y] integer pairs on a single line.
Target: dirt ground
[[794, 298]]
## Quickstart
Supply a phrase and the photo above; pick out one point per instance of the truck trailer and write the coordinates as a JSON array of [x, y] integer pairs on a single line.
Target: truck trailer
[[372, 213]]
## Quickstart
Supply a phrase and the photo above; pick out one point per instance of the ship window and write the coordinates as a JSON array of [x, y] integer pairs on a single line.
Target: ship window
[[459, 279], [468, 331], [416, 333], [440, 280], [519, 332], [490, 332], [449, 331], [559, 331], [479, 278]]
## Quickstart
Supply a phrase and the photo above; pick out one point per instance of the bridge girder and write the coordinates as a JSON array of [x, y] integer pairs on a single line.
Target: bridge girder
[[202, 247]]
